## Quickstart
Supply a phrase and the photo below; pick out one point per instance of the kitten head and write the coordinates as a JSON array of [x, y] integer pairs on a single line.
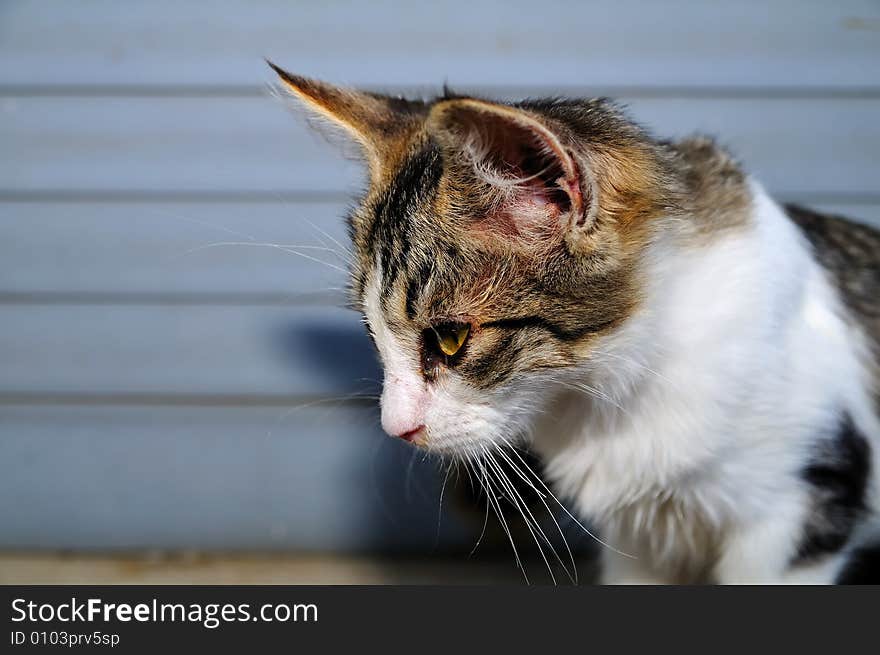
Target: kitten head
[[496, 246]]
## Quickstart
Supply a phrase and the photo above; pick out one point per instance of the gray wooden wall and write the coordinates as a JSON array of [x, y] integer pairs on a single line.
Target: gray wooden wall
[[160, 387]]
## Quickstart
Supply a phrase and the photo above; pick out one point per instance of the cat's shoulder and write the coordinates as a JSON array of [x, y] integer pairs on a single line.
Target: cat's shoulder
[[850, 252]]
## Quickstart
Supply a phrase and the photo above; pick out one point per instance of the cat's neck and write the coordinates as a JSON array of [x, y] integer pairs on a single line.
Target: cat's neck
[[735, 333]]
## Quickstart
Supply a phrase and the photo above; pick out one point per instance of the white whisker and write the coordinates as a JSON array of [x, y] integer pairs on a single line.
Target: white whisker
[[542, 496], [496, 507], [335, 400], [515, 499], [565, 509], [293, 250]]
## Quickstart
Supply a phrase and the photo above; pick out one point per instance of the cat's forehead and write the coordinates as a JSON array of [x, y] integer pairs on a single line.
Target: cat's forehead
[[399, 229], [404, 204]]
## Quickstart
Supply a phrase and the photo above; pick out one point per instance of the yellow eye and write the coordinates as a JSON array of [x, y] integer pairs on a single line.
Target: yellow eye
[[451, 337]]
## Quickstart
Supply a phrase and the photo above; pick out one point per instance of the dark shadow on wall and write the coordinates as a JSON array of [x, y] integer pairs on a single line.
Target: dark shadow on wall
[[344, 355]]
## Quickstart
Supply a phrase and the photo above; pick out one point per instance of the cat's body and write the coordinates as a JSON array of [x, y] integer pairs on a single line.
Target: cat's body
[[696, 367], [744, 447]]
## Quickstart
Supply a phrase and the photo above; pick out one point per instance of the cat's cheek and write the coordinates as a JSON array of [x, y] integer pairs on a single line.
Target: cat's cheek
[[455, 421]]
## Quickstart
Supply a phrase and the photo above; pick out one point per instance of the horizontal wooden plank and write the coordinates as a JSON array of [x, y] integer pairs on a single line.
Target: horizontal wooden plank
[[294, 251], [206, 568], [254, 144], [198, 252], [222, 478], [180, 349], [166, 143], [793, 43]]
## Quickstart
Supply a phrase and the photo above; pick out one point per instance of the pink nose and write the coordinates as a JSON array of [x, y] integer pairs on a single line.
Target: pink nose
[[409, 435], [403, 407]]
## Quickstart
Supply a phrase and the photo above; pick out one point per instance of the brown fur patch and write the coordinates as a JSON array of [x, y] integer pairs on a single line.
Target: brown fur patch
[[718, 197]]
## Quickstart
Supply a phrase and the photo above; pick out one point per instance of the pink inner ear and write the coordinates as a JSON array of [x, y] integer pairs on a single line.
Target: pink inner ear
[[527, 212], [537, 181]]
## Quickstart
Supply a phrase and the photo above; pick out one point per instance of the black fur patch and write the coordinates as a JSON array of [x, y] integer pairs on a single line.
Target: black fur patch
[[496, 365], [863, 566], [391, 229], [838, 477], [414, 288], [523, 322]]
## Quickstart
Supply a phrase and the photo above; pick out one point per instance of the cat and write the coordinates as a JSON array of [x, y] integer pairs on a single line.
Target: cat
[[695, 365]]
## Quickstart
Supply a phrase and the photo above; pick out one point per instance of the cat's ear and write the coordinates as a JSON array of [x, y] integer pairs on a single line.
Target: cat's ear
[[542, 184], [376, 122]]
